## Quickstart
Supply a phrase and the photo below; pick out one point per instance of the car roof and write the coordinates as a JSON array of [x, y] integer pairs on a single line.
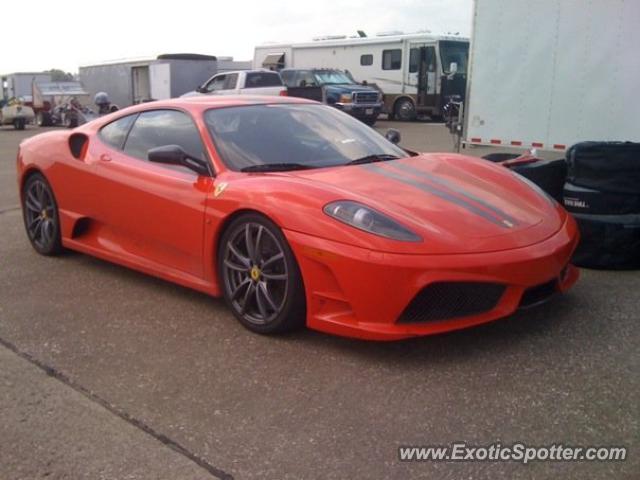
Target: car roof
[[206, 102], [255, 70]]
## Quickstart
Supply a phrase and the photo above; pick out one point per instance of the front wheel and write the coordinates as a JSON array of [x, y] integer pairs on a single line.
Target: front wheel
[[260, 278], [404, 110]]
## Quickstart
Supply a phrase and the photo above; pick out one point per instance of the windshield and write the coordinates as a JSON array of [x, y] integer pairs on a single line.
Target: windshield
[[452, 51], [308, 136], [336, 77]]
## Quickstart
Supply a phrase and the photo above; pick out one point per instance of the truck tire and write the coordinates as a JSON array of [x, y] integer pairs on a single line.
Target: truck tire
[[608, 242], [549, 175], [605, 166], [584, 200], [404, 110]]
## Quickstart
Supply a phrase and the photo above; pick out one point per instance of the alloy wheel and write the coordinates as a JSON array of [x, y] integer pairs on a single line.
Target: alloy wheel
[[255, 273]]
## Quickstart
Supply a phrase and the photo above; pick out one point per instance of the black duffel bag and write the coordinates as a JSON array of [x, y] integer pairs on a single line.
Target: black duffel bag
[[578, 199], [549, 175], [605, 166], [608, 241]]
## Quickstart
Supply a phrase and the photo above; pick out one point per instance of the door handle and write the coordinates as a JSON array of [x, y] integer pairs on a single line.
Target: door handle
[[105, 157]]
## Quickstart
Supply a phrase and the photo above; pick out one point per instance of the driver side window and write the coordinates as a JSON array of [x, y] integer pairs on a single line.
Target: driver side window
[[158, 128], [305, 79], [216, 83]]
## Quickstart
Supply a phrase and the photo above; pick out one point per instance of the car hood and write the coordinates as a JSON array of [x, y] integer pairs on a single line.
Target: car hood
[[457, 204], [349, 87]]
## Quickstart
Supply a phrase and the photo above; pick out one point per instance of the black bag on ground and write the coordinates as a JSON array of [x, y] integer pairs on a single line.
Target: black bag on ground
[[578, 199], [608, 241], [547, 174], [605, 166]]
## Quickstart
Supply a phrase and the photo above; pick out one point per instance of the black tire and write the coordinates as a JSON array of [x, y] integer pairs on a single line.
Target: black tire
[[371, 121], [273, 301], [501, 156], [594, 202], [40, 215], [605, 166], [44, 119], [549, 175], [404, 110], [608, 242], [19, 123]]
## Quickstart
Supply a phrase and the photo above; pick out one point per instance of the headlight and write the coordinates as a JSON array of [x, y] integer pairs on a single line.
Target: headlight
[[365, 218], [346, 98]]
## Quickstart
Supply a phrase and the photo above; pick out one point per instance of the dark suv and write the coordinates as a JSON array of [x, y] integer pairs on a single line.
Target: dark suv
[[336, 88]]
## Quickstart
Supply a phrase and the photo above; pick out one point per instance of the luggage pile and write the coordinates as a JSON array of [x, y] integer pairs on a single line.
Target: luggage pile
[[599, 184], [602, 192]]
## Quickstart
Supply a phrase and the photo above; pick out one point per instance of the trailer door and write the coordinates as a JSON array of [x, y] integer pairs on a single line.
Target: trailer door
[[141, 84]]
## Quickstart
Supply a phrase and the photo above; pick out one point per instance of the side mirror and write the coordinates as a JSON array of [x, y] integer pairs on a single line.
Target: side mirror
[[393, 136], [200, 89], [453, 68], [175, 155]]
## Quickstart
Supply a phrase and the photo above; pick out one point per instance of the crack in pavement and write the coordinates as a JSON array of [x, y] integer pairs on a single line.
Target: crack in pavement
[[9, 209], [139, 424]]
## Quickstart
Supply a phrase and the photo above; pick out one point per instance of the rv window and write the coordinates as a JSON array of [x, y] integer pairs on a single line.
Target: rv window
[[366, 60], [414, 60], [392, 59]]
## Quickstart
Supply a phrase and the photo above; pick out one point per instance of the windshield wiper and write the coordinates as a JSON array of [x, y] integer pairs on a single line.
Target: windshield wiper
[[275, 167], [378, 157]]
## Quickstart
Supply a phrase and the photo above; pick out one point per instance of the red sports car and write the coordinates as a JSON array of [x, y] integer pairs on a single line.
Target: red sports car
[[297, 214]]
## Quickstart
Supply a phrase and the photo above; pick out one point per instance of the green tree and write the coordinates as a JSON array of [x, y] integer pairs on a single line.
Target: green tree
[[59, 75]]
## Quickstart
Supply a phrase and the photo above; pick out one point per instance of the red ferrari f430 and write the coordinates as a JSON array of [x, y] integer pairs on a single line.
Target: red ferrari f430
[[297, 214]]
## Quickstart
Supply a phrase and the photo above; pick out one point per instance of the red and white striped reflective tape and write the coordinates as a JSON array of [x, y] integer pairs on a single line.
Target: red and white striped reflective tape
[[516, 143]]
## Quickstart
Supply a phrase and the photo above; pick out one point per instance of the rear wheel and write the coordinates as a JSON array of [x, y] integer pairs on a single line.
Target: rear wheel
[[40, 212], [404, 110], [260, 277]]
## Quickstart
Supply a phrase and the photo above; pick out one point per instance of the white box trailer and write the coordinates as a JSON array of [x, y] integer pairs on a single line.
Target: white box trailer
[[412, 70], [549, 73]]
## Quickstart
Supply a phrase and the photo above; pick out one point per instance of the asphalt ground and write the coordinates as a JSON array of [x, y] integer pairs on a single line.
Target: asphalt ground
[[111, 374]]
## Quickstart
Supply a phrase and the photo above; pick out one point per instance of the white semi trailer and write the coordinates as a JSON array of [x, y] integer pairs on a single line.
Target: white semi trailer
[[549, 73]]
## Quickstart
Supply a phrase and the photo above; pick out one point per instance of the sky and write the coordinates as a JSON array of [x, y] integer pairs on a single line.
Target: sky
[[89, 31]]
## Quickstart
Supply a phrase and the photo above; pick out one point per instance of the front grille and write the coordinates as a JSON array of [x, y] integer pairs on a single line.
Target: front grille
[[538, 294], [446, 300], [366, 97]]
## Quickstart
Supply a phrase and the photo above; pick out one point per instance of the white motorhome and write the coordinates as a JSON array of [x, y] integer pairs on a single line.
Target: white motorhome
[[416, 72], [551, 73]]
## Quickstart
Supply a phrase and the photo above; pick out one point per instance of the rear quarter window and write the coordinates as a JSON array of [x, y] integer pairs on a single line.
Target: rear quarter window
[[263, 79], [114, 133]]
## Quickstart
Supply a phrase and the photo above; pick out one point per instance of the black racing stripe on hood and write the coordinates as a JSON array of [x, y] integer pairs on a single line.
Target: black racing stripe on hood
[[455, 188], [437, 192]]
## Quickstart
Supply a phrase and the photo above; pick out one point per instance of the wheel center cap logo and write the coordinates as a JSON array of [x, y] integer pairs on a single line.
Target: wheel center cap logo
[[255, 273]]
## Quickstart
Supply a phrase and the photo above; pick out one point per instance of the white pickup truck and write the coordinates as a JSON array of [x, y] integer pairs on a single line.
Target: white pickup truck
[[243, 82]]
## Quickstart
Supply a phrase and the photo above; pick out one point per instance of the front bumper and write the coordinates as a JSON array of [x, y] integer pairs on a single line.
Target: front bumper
[[355, 292], [360, 110]]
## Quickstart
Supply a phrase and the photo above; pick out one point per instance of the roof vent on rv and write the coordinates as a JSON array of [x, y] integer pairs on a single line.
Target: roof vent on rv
[[329, 37], [389, 33]]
